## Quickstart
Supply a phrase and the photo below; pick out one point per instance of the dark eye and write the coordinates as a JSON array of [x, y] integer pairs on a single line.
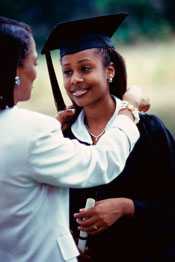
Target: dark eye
[[86, 69], [67, 72]]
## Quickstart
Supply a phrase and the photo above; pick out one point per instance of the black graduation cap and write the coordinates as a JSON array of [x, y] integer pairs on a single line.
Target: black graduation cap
[[73, 36]]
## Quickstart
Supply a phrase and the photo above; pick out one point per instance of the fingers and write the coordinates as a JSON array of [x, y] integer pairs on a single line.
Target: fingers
[[84, 213], [85, 218], [64, 114], [88, 221], [65, 117], [144, 105], [91, 228], [94, 229]]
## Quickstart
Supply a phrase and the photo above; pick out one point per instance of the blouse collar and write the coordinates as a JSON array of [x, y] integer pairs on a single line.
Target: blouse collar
[[79, 128]]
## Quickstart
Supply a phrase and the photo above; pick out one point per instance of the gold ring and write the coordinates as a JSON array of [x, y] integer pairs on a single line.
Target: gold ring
[[95, 227]]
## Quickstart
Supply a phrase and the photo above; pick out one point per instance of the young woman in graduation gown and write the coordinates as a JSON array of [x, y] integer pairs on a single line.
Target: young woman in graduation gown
[[134, 215]]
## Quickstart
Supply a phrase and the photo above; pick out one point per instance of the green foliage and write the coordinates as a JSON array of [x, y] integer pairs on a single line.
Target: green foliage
[[147, 18]]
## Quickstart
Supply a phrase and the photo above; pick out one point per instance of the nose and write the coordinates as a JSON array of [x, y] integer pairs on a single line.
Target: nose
[[76, 78]]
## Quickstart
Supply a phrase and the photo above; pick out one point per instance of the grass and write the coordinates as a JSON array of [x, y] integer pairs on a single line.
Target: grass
[[149, 65]]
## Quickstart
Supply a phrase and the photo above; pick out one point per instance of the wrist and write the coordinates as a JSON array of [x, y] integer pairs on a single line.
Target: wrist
[[128, 207], [130, 111], [126, 112]]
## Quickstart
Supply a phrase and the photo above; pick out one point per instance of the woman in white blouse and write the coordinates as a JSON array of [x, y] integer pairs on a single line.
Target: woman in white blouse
[[38, 165]]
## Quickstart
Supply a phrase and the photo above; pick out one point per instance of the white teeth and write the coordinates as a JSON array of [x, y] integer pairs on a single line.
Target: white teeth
[[79, 92]]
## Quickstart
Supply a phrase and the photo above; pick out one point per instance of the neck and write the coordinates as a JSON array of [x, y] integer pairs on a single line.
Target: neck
[[98, 115]]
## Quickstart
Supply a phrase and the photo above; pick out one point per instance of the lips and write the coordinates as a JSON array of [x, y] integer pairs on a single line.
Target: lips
[[80, 92]]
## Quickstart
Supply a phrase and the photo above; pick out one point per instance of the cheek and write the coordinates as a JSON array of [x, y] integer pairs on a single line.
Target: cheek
[[66, 85], [97, 81], [30, 74], [34, 73], [103, 80]]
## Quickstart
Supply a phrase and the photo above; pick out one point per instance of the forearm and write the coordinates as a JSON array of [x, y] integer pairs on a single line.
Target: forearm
[[105, 213], [63, 162]]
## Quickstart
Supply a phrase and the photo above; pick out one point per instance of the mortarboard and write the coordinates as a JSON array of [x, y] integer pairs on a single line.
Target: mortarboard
[[74, 36]]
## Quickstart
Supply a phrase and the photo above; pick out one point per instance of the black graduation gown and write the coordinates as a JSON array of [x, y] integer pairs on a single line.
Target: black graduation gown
[[149, 180]]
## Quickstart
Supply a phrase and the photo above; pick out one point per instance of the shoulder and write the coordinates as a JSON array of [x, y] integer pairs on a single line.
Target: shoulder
[[152, 122], [34, 120], [154, 127]]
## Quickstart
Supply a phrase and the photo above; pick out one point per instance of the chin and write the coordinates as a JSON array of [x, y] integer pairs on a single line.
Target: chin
[[82, 102], [26, 98]]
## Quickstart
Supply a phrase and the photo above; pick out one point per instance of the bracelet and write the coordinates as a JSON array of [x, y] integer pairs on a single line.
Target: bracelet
[[134, 111]]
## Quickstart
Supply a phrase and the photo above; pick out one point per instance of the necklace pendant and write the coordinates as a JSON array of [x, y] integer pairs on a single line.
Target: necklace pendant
[[96, 137]]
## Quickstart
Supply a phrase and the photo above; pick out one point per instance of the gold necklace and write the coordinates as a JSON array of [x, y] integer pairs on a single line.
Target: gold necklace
[[96, 137]]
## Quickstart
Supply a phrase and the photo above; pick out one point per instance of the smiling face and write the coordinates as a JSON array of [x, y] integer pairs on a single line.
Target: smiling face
[[27, 74], [86, 77]]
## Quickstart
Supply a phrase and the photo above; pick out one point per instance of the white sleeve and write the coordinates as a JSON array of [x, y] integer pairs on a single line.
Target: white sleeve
[[63, 162]]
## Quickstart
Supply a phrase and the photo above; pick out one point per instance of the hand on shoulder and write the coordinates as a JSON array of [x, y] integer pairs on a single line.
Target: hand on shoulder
[[136, 96]]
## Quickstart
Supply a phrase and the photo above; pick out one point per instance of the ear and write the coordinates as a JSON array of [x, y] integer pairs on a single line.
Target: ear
[[18, 71], [111, 71]]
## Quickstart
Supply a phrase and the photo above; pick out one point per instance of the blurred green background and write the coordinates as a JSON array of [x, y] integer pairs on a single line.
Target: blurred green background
[[146, 41]]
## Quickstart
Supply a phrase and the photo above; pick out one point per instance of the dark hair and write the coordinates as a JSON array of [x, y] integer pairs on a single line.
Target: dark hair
[[15, 39], [119, 84]]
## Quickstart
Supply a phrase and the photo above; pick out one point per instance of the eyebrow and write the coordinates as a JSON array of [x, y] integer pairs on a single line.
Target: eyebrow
[[84, 60], [80, 61]]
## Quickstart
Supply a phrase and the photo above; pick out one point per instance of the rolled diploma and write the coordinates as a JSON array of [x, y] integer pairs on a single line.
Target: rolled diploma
[[90, 202]]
